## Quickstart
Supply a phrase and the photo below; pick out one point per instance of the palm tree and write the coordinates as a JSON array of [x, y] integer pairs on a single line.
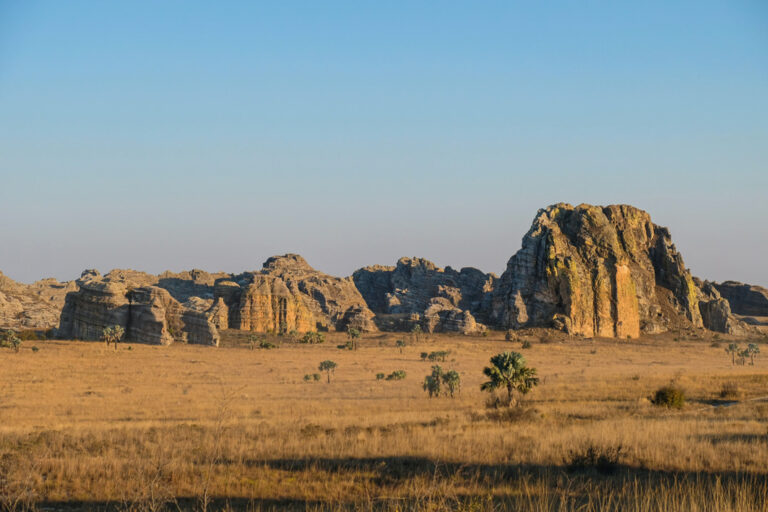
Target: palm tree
[[400, 344], [353, 334], [328, 367], [452, 382], [753, 350], [508, 371], [432, 382], [732, 349]]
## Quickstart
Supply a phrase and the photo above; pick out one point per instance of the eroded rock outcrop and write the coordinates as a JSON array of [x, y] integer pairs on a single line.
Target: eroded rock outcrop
[[149, 314], [444, 299], [32, 306], [288, 294], [745, 299], [596, 271]]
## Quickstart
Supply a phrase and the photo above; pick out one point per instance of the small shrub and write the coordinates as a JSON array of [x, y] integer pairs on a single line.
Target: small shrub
[[264, 344], [669, 396], [312, 338], [316, 377], [424, 356], [526, 344], [603, 459], [730, 390], [346, 346], [396, 375], [307, 377], [11, 340], [715, 344], [485, 333], [35, 349], [380, 376]]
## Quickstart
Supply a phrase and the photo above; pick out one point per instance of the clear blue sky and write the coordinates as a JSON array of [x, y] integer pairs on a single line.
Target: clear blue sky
[[180, 134]]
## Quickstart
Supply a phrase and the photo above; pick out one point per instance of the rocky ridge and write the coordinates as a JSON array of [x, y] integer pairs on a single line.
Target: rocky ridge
[[586, 270]]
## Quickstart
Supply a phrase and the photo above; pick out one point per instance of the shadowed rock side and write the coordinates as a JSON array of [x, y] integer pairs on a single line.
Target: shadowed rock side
[[597, 271], [148, 314], [288, 294], [439, 300], [716, 311], [745, 299]]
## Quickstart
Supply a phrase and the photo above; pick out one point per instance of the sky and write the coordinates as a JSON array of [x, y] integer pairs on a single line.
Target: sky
[[187, 134]]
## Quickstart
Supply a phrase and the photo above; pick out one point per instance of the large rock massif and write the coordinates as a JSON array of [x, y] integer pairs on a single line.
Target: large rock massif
[[602, 271], [587, 270]]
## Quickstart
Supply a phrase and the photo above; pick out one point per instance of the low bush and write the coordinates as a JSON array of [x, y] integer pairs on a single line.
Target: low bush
[[730, 390], [603, 459], [526, 344], [380, 376], [396, 375], [669, 396]]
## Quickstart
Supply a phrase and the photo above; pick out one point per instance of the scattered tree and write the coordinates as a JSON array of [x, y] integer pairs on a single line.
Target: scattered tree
[[439, 355], [732, 349], [432, 382], [753, 350], [452, 382], [400, 344], [508, 371], [380, 376], [416, 333], [112, 335], [424, 356], [11, 340], [353, 335], [328, 367]]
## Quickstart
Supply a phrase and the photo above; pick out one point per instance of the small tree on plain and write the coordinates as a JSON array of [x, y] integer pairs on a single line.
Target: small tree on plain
[[328, 367], [353, 335], [753, 350], [112, 335], [432, 382], [416, 332], [508, 371], [732, 349], [452, 382], [11, 340], [400, 344]]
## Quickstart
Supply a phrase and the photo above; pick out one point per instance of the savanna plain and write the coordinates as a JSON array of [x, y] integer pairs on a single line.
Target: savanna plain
[[186, 427]]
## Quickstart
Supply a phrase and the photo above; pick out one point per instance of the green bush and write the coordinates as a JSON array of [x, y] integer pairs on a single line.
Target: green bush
[[669, 396], [526, 344], [380, 376], [396, 375], [312, 338]]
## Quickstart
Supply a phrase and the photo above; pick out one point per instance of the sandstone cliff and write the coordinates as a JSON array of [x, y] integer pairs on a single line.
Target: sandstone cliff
[[149, 314], [288, 294], [435, 298], [597, 271]]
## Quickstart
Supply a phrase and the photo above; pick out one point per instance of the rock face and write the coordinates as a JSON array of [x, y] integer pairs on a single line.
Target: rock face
[[149, 314], [439, 300], [288, 294], [596, 271], [33, 306], [716, 312], [745, 299]]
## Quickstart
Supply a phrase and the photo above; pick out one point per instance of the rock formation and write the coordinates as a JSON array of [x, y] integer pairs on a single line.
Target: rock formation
[[149, 314], [288, 294], [597, 271], [745, 299], [587, 270], [437, 299], [34, 306]]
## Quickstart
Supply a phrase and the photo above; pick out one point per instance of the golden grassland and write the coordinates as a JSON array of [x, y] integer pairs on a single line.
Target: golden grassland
[[190, 427]]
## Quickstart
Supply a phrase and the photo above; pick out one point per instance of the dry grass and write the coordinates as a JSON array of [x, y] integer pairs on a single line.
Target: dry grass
[[82, 426]]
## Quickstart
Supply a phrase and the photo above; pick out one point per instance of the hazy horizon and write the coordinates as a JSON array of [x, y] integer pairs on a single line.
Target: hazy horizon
[[186, 135]]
